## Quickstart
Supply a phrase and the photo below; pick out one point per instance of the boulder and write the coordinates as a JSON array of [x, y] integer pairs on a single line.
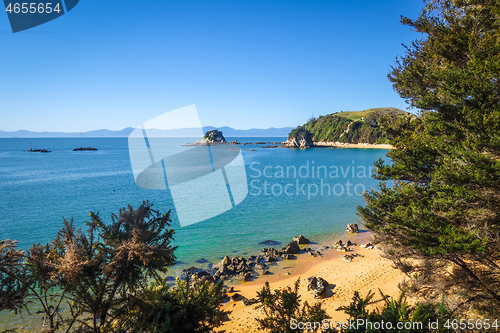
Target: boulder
[[206, 278], [352, 228], [244, 276], [311, 283], [270, 258], [318, 285], [260, 266], [291, 248], [301, 240], [236, 297], [338, 243], [368, 246], [287, 256], [247, 302], [270, 252]]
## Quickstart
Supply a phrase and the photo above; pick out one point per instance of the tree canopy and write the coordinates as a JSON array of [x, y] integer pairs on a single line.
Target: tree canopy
[[442, 206]]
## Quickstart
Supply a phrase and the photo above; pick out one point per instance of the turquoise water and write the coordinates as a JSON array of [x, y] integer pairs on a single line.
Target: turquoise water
[[37, 190]]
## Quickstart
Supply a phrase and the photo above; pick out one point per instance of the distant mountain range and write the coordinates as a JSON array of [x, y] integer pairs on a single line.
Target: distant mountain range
[[104, 133]]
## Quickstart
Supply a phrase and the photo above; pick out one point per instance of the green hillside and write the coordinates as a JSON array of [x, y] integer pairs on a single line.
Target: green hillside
[[347, 127]]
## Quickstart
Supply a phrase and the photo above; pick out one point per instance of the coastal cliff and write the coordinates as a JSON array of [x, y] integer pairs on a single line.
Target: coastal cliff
[[343, 129]]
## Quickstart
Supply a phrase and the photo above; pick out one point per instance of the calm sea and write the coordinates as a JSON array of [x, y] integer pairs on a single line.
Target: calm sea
[[313, 192]]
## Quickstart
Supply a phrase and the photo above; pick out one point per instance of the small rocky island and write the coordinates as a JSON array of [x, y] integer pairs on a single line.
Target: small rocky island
[[84, 149], [37, 150], [210, 138]]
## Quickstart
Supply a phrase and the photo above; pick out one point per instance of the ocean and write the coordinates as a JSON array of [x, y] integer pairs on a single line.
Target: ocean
[[313, 192]]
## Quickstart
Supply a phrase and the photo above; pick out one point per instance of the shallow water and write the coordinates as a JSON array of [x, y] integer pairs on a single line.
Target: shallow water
[[313, 192]]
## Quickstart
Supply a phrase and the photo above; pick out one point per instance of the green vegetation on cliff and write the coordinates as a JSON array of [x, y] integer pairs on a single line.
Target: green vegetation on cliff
[[347, 127]]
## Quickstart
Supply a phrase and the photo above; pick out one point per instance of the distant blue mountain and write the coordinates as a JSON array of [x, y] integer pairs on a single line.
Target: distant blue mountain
[[104, 133]]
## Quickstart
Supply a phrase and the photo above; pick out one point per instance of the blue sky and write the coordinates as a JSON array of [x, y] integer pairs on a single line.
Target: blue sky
[[245, 64]]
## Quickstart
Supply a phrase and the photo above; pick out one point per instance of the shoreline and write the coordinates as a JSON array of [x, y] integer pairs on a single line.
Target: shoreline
[[353, 145], [369, 272]]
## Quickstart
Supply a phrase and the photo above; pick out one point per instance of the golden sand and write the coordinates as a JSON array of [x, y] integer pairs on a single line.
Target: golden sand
[[363, 274]]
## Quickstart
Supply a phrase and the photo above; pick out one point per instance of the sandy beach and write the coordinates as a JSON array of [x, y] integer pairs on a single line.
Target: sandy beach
[[363, 274], [352, 145]]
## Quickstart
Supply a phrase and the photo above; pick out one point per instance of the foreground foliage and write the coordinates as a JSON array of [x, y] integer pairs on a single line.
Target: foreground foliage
[[102, 278], [443, 208], [283, 305], [416, 318]]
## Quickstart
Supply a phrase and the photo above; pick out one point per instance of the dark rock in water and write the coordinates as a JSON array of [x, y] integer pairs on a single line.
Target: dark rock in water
[[191, 269], [270, 251], [38, 151], [170, 278], [235, 142], [247, 302], [201, 261], [84, 149], [206, 278], [352, 228], [301, 240], [270, 258], [260, 266], [291, 248], [270, 242], [201, 274]]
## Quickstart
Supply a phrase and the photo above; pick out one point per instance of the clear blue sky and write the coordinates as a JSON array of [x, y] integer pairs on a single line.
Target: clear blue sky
[[114, 64]]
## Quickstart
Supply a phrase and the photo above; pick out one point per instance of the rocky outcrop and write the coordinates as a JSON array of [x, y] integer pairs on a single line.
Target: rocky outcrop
[[349, 257], [291, 248], [352, 228], [301, 240], [84, 149], [299, 141], [211, 137], [248, 302], [318, 285]]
